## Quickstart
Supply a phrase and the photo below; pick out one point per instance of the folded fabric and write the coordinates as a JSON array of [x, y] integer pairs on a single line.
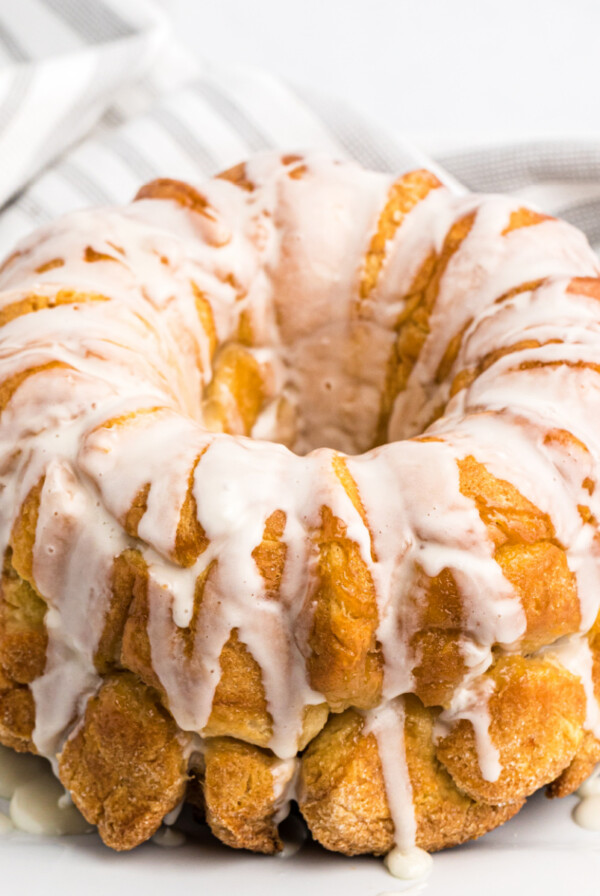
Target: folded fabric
[[96, 97]]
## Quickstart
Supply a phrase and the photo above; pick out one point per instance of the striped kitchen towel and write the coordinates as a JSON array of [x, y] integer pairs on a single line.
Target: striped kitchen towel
[[95, 98]]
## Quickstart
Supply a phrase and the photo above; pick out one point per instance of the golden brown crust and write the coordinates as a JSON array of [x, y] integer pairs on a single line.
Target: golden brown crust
[[238, 175], [270, 554], [239, 705], [191, 539], [35, 302], [437, 642], [17, 716], [345, 663], [404, 195], [343, 798], [10, 386], [125, 764], [177, 190], [126, 568], [528, 553], [206, 317], [537, 710], [239, 795], [524, 217], [582, 765], [23, 638], [23, 534], [135, 646], [236, 394], [412, 326]]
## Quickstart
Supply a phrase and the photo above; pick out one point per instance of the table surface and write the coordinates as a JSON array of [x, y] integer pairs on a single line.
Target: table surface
[[444, 74], [540, 851]]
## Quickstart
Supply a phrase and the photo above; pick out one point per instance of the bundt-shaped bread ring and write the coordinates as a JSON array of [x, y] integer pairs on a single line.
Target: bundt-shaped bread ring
[[299, 500]]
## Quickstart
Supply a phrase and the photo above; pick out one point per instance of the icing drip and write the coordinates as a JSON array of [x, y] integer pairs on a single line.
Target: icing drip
[[172, 817], [408, 532], [285, 775], [471, 703], [406, 860], [575, 655], [168, 838], [387, 724]]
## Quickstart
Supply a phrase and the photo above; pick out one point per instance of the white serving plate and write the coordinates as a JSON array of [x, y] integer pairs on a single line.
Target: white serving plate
[[541, 851]]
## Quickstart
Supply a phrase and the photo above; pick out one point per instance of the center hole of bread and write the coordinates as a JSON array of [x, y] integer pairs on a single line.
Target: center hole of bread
[[325, 390]]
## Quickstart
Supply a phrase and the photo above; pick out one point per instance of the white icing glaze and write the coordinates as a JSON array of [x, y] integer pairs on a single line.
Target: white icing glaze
[[36, 809], [471, 703], [408, 864], [408, 534], [575, 655], [17, 769], [167, 837], [171, 817], [285, 777], [387, 724], [587, 813], [263, 253]]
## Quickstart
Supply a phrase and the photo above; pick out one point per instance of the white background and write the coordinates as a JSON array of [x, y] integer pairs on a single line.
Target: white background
[[445, 73]]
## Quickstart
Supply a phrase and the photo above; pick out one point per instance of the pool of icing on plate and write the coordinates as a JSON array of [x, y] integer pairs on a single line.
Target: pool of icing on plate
[[587, 812], [38, 803]]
